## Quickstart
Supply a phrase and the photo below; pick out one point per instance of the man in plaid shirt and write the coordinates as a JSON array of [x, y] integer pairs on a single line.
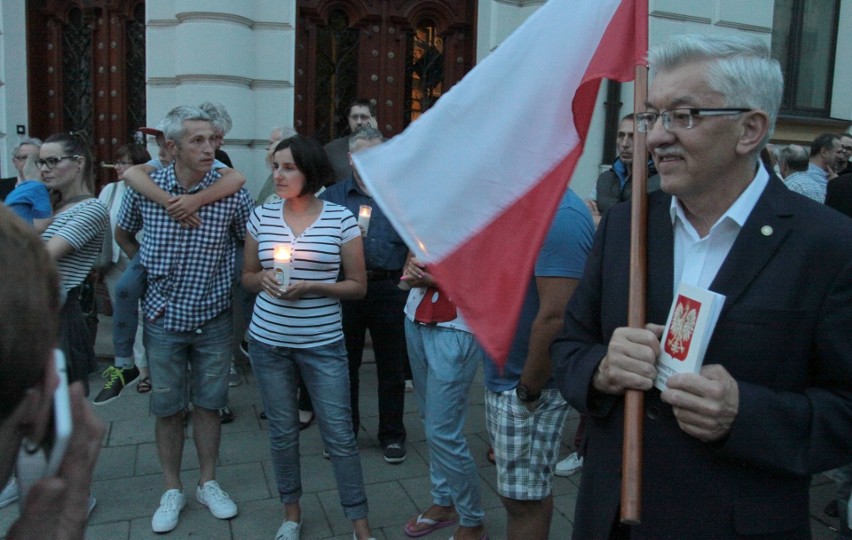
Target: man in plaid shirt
[[187, 308]]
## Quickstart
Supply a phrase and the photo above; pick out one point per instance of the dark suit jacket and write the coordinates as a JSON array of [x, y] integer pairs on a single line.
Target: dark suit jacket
[[838, 194], [785, 335]]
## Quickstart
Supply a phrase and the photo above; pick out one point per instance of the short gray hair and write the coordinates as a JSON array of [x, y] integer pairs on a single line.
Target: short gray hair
[[742, 69], [795, 157], [365, 133], [172, 124], [218, 115], [33, 141]]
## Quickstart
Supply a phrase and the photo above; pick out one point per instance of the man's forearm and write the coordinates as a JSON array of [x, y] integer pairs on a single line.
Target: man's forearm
[[538, 367], [127, 242]]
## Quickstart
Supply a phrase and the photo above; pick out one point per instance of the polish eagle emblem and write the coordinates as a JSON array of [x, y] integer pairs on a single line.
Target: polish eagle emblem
[[682, 327]]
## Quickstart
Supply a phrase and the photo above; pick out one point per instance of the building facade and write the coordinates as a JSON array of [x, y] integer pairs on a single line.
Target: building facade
[[108, 66]]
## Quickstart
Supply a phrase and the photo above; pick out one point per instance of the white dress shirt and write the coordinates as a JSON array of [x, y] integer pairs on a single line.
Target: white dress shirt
[[697, 260]]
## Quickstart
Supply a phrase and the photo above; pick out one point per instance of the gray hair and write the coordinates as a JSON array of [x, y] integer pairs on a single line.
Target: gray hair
[[741, 69], [218, 115], [286, 131], [795, 157], [365, 133], [33, 141], [172, 124]]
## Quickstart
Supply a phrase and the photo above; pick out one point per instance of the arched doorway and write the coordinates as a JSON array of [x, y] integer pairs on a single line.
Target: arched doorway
[[87, 71], [401, 55]]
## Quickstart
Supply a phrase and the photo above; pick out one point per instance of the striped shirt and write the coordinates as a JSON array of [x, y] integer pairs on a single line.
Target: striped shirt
[[83, 226], [311, 321], [190, 271]]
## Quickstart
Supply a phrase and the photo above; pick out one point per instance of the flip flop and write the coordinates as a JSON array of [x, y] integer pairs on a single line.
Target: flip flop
[[144, 385], [433, 525]]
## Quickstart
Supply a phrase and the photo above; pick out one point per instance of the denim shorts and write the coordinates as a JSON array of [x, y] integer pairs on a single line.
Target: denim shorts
[[189, 366], [526, 444]]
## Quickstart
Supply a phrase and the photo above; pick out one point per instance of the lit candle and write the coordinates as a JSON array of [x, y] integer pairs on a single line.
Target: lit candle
[[282, 265], [364, 217]]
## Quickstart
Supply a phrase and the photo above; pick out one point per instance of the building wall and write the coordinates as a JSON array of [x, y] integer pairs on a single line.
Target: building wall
[[242, 54], [238, 53], [13, 81], [841, 97]]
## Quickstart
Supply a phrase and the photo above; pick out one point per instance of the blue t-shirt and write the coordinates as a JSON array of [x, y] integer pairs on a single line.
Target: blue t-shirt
[[563, 254], [30, 200]]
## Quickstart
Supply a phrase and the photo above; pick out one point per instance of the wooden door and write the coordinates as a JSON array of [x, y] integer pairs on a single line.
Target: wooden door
[[402, 55], [87, 72]]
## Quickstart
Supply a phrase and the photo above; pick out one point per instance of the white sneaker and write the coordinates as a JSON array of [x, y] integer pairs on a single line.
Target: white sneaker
[[166, 517], [9, 493], [219, 503], [289, 530], [569, 465]]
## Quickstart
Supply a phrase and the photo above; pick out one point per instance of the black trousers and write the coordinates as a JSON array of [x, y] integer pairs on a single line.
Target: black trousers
[[381, 312]]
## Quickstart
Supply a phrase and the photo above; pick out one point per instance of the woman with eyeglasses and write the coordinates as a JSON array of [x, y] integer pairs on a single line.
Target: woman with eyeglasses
[[73, 239], [130, 361]]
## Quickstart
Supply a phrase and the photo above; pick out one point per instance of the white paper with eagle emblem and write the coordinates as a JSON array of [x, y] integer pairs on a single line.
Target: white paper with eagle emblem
[[692, 318]]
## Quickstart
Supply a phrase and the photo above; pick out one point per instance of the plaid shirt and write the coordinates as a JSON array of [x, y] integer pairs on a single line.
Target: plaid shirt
[[190, 271], [807, 184]]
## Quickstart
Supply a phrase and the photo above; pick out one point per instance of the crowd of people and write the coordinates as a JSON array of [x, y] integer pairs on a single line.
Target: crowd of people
[[728, 451]]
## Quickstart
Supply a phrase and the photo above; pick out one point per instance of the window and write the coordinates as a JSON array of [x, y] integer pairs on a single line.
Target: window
[[424, 70], [336, 80], [804, 35]]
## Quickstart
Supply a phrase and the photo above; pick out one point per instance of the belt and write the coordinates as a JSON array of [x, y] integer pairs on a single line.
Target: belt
[[373, 275]]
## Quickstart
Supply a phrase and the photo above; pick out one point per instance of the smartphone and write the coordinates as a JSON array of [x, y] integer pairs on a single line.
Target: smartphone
[[37, 463]]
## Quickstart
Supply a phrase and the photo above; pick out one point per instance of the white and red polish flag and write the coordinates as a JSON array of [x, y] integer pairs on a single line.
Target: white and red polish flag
[[473, 184]]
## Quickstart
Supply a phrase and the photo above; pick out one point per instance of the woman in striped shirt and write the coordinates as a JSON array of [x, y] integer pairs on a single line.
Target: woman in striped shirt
[[296, 326], [73, 239]]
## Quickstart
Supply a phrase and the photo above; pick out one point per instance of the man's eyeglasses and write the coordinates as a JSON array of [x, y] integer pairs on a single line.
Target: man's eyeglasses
[[51, 162], [676, 119]]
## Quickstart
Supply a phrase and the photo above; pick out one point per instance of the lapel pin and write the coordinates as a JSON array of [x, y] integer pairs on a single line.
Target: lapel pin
[[766, 230]]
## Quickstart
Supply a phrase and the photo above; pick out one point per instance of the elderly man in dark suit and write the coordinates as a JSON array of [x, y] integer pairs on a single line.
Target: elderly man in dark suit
[[728, 452]]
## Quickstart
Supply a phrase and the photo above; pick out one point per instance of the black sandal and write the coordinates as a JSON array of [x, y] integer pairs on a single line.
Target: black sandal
[[144, 385]]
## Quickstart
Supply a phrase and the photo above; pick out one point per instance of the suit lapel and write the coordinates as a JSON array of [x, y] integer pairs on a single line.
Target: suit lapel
[[660, 259], [762, 234]]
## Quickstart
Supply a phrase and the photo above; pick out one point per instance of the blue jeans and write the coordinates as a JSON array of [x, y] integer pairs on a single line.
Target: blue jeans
[[325, 372], [443, 364], [206, 349], [125, 307]]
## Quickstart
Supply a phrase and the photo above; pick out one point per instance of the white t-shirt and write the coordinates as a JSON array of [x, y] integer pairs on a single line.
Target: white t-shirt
[[311, 321]]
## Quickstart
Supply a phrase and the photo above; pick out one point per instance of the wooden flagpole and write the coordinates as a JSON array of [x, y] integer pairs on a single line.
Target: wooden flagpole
[[634, 400]]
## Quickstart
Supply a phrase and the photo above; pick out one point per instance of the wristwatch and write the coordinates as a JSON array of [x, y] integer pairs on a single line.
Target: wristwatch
[[524, 394]]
